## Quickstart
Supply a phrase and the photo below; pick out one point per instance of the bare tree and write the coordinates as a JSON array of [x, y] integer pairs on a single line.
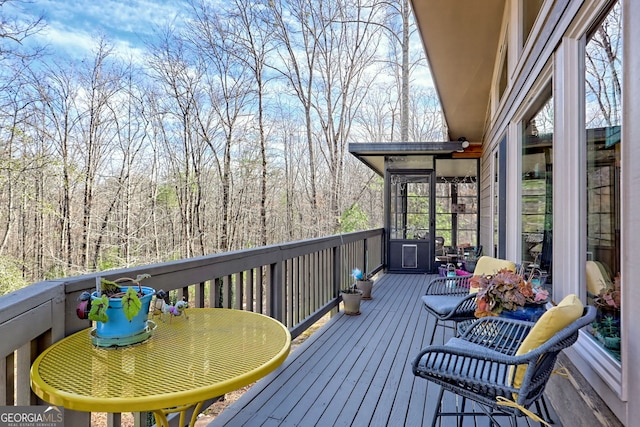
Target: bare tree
[[101, 81], [58, 123], [330, 78], [180, 75], [229, 95], [253, 40], [426, 121], [401, 10], [15, 103], [128, 165], [294, 26], [14, 31], [603, 69]]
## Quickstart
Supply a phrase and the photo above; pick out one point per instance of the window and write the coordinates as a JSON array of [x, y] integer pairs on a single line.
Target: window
[[456, 203], [536, 186], [530, 10], [496, 204], [504, 67], [456, 207], [410, 206], [603, 89], [500, 199]]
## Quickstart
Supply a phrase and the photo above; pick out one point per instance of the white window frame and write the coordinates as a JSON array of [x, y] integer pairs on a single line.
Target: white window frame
[[571, 157]]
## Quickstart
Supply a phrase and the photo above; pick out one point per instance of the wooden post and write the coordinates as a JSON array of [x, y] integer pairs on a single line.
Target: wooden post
[[337, 270], [276, 292]]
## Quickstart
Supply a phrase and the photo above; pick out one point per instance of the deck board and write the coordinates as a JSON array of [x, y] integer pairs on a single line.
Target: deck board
[[353, 371]]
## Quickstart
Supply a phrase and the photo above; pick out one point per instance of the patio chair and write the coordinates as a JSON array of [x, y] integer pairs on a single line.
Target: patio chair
[[501, 364], [450, 299]]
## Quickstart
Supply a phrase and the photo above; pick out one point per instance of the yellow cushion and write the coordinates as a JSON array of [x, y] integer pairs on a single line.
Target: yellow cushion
[[552, 321], [487, 265], [595, 278]]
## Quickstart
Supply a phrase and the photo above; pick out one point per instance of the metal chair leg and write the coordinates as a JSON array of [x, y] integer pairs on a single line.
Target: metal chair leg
[[437, 413], [462, 409], [433, 332], [543, 410]]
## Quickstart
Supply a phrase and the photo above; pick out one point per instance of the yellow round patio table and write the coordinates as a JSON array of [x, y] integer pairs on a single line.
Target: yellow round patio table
[[184, 363]]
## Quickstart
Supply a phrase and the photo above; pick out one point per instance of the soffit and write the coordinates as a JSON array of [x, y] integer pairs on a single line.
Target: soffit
[[461, 40], [412, 155]]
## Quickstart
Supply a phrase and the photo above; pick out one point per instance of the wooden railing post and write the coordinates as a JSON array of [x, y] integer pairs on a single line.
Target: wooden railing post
[[337, 270], [276, 292], [365, 257]]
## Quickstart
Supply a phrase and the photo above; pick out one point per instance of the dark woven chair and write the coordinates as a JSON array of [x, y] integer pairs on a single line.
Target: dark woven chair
[[481, 365], [449, 300]]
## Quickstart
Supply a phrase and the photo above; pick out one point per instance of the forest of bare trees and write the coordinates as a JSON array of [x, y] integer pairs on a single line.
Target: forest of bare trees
[[230, 132]]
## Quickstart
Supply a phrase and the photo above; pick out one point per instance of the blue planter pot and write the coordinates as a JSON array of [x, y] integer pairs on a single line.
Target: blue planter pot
[[530, 312], [118, 326]]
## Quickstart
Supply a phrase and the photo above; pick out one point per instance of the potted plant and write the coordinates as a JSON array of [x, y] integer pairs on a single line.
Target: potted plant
[[351, 298], [607, 331], [119, 309], [608, 299], [508, 294], [363, 282]]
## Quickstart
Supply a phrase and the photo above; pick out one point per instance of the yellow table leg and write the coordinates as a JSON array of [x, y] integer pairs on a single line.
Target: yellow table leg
[[161, 414], [161, 418]]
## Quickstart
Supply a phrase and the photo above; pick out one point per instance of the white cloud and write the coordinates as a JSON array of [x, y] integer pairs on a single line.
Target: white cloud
[[72, 26], [68, 41]]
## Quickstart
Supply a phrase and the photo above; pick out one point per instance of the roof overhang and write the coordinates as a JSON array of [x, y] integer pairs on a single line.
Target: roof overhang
[[461, 40], [374, 154]]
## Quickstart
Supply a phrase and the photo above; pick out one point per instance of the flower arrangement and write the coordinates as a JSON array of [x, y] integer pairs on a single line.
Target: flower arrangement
[[608, 299], [505, 290]]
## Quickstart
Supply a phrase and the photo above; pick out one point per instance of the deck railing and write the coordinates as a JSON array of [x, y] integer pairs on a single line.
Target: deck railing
[[296, 283]]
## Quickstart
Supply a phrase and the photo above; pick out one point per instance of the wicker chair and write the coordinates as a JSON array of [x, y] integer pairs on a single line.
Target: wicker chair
[[450, 299], [485, 366]]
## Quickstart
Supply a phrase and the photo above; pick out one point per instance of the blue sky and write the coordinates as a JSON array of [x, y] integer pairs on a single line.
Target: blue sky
[[73, 25]]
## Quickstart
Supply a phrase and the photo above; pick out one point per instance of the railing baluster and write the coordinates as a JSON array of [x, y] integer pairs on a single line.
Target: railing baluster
[[260, 290], [250, 290], [199, 295], [276, 292], [239, 291], [227, 296], [215, 293]]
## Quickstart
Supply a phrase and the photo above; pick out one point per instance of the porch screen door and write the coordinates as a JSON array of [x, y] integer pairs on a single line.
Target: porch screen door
[[411, 225]]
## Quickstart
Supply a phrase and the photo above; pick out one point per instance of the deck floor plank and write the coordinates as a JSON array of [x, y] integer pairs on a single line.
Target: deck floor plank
[[362, 353], [354, 370]]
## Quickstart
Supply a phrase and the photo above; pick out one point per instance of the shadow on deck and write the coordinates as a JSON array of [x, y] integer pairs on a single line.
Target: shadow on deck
[[355, 370]]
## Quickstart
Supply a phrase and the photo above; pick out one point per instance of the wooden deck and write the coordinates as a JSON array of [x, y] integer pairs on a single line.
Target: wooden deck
[[355, 370]]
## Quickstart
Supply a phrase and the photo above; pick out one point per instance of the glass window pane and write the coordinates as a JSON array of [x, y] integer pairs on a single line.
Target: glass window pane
[[536, 187], [603, 89], [530, 11], [496, 205], [410, 206]]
